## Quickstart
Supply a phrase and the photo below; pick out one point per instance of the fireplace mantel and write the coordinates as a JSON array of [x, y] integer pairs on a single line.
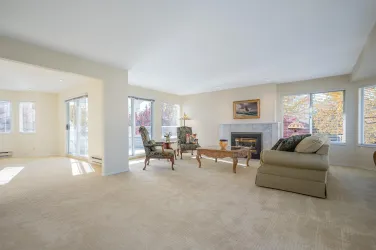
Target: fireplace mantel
[[270, 131]]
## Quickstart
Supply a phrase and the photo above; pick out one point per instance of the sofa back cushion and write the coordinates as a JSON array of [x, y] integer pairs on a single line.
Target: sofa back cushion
[[290, 143], [277, 144], [311, 144], [182, 134]]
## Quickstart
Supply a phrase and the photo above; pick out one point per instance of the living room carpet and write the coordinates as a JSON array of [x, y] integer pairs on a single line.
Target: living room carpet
[[60, 203]]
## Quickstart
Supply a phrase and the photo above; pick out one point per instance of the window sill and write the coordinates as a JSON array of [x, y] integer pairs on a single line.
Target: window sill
[[28, 133], [367, 145], [338, 143]]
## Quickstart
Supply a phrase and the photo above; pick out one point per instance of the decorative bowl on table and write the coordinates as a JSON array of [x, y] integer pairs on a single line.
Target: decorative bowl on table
[[223, 143]]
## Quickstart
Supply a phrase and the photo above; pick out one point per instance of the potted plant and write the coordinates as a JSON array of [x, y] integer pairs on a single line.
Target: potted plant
[[168, 136]]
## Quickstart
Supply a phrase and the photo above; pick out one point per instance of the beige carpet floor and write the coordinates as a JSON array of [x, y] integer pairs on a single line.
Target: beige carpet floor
[[58, 203]]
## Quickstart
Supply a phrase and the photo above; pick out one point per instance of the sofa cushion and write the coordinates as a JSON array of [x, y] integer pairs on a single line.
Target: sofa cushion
[[295, 160], [310, 144], [159, 153], [290, 143], [277, 144]]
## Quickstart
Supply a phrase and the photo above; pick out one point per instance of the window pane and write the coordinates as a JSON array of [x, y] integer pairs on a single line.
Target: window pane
[[327, 115], [83, 126], [170, 119], [130, 126], [296, 110], [369, 110], [143, 117], [5, 117], [27, 117]]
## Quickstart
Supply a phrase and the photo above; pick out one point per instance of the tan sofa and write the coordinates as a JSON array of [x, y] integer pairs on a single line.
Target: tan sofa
[[295, 172]]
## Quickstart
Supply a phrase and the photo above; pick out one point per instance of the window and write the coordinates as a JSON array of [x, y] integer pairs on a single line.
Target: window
[[140, 113], [27, 117], [368, 115], [5, 117], [77, 140], [170, 119], [319, 113]]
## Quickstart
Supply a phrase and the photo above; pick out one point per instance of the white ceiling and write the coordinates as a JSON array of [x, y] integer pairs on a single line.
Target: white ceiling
[[24, 77], [194, 46]]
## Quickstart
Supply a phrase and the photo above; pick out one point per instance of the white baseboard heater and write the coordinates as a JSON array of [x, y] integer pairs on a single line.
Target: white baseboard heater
[[96, 160], [6, 154]]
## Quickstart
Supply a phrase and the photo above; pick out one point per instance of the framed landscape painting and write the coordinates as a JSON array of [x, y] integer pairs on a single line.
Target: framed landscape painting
[[249, 109]]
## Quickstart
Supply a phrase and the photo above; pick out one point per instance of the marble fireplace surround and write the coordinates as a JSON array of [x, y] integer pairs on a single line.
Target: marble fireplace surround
[[270, 131]]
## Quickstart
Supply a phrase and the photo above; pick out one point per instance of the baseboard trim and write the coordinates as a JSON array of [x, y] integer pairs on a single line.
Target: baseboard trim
[[114, 173]]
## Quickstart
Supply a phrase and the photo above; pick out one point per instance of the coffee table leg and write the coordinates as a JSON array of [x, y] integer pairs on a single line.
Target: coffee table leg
[[215, 159], [198, 159], [234, 163]]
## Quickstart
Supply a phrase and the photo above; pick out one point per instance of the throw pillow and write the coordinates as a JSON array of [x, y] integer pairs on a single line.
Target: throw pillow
[[191, 139], [290, 143], [310, 144], [277, 144], [152, 142], [187, 138]]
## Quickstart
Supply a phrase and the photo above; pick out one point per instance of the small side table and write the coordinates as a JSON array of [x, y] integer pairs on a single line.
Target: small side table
[[168, 145]]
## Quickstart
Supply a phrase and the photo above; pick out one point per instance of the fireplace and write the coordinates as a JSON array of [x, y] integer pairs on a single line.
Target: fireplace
[[248, 139]]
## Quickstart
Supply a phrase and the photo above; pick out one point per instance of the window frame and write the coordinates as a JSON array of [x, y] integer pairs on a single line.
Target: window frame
[[11, 118], [178, 119], [133, 123], [19, 117], [311, 110], [361, 117]]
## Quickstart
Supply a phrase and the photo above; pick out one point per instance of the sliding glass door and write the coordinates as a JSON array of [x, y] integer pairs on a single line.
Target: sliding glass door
[[140, 113], [77, 126]]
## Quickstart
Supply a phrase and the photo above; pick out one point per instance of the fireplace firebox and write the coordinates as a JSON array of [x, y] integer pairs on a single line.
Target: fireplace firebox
[[248, 139]]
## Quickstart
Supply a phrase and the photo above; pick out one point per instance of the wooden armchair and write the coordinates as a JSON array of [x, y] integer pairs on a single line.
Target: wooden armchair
[[151, 150], [183, 146]]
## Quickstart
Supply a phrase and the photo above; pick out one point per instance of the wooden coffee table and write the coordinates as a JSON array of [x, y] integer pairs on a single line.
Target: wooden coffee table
[[230, 152]]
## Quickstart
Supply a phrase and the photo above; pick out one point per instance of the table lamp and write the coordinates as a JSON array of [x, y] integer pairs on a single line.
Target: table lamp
[[184, 118]]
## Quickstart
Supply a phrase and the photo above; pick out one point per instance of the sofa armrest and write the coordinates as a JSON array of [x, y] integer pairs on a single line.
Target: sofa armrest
[[295, 160], [324, 150]]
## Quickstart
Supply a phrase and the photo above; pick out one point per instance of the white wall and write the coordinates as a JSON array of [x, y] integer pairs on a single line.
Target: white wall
[[42, 143], [365, 67], [159, 98], [208, 110], [115, 87], [94, 89]]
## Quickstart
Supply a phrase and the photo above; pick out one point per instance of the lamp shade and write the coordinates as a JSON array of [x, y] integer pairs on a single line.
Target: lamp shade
[[185, 117]]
